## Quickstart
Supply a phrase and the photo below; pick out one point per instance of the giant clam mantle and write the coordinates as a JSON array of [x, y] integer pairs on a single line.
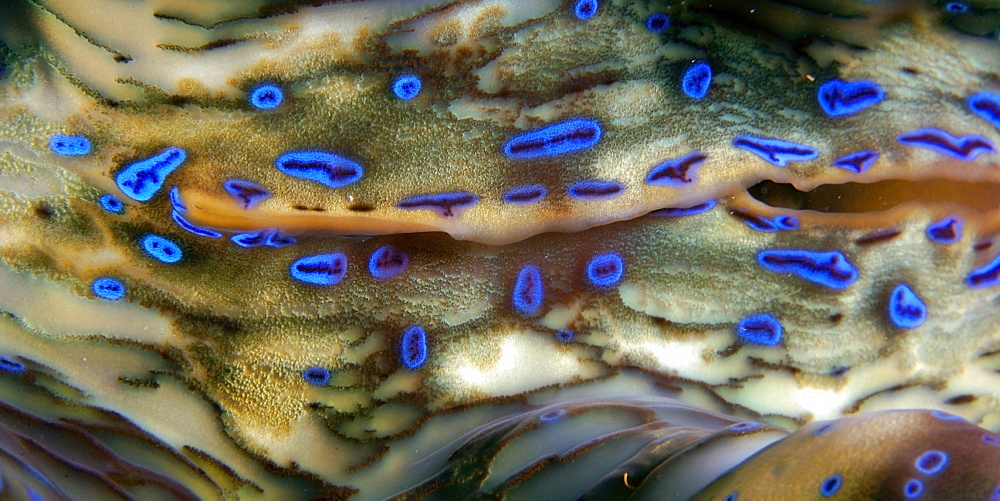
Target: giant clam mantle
[[293, 250]]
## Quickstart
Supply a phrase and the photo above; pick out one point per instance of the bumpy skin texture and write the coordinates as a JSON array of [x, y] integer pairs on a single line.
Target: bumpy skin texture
[[219, 340]]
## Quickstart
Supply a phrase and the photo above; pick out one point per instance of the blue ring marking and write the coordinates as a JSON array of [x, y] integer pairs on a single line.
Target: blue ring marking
[[267, 97], [528, 290], [321, 269], [906, 310], [761, 329], [657, 22], [317, 376], [697, 80], [141, 180], [966, 148], [556, 139], [677, 171], [197, 230], [108, 288], [564, 336], [913, 489], [328, 169], [596, 189], [986, 276], [776, 151], [987, 106], [605, 270], [175, 199], [585, 9], [255, 239], [450, 204], [857, 162], [831, 485], [956, 7], [406, 87], [839, 98], [162, 249], [413, 347], [277, 239], [525, 195], [551, 415], [931, 462], [111, 204], [9, 365], [830, 268], [684, 211], [69, 146], [946, 231], [786, 222], [247, 193], [387, 262]]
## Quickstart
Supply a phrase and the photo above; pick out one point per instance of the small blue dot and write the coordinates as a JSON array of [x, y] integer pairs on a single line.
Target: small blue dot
[[317, 376], [761, 329], [585, 9], [733, 497], [162, 249], [605, 270], [564, 336], [267, 97], [931, 462], [551, 415], [111, 204], [831, 485], [945, 416], [913, 489], [657, 22], [108, 288], [387, 262], [697, 80], [956, 7], [69, 146], [413, 347], [406, 87], [744, 427]]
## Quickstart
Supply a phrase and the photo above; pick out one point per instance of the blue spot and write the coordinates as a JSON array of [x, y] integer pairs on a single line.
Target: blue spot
[[831, 485], [564, 336], [657, 22], [596, 189], [944, 416], [556, 139], [317, 376], [987, 106], [197, 230], [270, 238], [776, 151], [839, 98], [108, 288], [321, 269], [760, 329], [605, 270], [696, 80], [387, 262], [406, 87], [445, 204], [913, 489], [991, 440], [830, 268], [963, 148], [946, 231], [857, 162], [585, 9], [247, 193], [735, 496], [162, 249], [413, 347], [956, 7], [786, 222], [906, 310], [267, 97], [276, 239], [987, 276], [551, 415], [525, 195], [9, 365], [744, 427], [676, 172], [141, 180], [684, 211], [175, 199], [111, 204], [70, 146], [528, 290], [931, 462], [328, 169]]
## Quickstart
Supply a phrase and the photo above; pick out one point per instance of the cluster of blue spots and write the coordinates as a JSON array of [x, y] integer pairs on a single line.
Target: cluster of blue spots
[[162, 249], [744, 427], [857, 162], [605, 270], [551, 415], [266, 97], [387, 262], [413, 347], [956, 7], [111, 204], [525, 195], [831, 485], [556, 139], [913, 489], [906, 310], [9, 365], [316, 375], [595, 189], [108, 288], [987, 106], [697, 80], [585, 9], [197, 230], [321, 269], [450, 204], [564, 336], [963, 148], [776, 151], [829, 268], [985, 276], [247, 193], [328, 169], [676, 172], [684, 211], [141, 180], [931, 462], [946, 231], [528, 290], [839, 98], [269, 237], [657, 22], [69, 146], [406, 87], [760, 329]]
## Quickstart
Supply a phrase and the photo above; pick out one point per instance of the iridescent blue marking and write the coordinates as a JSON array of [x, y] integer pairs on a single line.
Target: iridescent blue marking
[[596, 189], [321, 269], [277, 239], [839, 98], [564, 336], [556, 139], [108, 288], [987, 106], [449, 204], [317, 376], [946, 231], [744, 427], [776, 151], [175, 199], [528, 290], [605, 270], [247, 193], [585, 9], [991, 440], [162, 249], [906, 310], [255, 239], [761, 329], [197, 230], [69, 146], [8, 365], [387, 262], [525, 195], [830, 268], [328, 169], [986, 276], [684, 211], [676, 172], [786, 222], [822, 429], [413, 347], [735, 496], [931, 462], [913, 489], [944, 416], [111, 204], [697, 80], [657, 22], [551, 415], [967, 147], [831, 485], [406, 87], [956, 7], [141, 180], [267, 97], [857, 162]]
